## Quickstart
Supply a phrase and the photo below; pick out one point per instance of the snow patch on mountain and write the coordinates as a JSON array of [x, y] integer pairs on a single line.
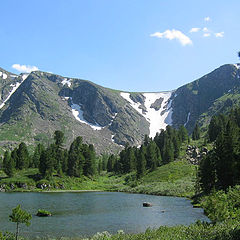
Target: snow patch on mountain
[[14, 88], [13, 76], [158, 119], [66, 81], [24, 76], [78, 114], [3, 75], [237, 65], [113, 117], [132, 103]]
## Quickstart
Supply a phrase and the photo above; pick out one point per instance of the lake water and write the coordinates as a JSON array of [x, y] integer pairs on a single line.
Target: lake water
[[84, 214]]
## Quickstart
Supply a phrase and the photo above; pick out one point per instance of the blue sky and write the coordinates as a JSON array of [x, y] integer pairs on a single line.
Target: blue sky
[[131, 45]]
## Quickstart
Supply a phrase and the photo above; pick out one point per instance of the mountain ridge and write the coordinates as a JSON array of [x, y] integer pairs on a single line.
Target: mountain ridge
[[44, 102]]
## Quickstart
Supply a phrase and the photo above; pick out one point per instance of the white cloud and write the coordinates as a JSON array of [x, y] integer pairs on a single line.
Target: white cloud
[[173, 34], [24, 68], [219, 34], [194, 30], [206, 35], [205, 29], [207, 19]]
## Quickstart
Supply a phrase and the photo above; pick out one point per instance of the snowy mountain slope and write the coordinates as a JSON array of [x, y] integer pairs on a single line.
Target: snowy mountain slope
[[32, 108], [157, 109], [15, 86]]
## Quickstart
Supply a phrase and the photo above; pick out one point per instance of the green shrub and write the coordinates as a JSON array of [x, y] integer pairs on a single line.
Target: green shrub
[[220, 206]]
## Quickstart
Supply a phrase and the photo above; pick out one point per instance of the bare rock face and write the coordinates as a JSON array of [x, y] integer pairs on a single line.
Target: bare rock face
[[97, 108], [157, 104]]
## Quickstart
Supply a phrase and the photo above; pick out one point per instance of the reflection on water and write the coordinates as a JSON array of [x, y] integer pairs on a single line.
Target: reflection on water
[[81, 214]]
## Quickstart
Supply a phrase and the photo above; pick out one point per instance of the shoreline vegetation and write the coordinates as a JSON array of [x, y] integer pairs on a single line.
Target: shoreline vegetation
[[166, 177], [173, 179], [206, 172]]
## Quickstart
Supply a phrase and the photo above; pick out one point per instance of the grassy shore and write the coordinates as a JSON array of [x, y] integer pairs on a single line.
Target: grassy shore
[[226, 230], [174, 179]]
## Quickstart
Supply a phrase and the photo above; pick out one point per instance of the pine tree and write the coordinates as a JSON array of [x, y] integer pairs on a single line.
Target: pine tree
[[131, 159], [176, 145], [207, 172], [217, 125], [146, 140], [14, 156], [141, 162], [123, 164], [22, 156], [110, 163], [159, 156], [168, 151], [226, 151], [104, 162], [99, 166], [64, 160], [59, 138], [76, 158], [89, 163], [183, 134], [59, 155], [196, 133], [20, 216], [151, 156], [46, 167], [37, 153], [8, 164], [159, 139]]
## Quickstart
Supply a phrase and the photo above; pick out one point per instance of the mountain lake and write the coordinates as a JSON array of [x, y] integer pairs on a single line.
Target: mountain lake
[[86, 213]]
